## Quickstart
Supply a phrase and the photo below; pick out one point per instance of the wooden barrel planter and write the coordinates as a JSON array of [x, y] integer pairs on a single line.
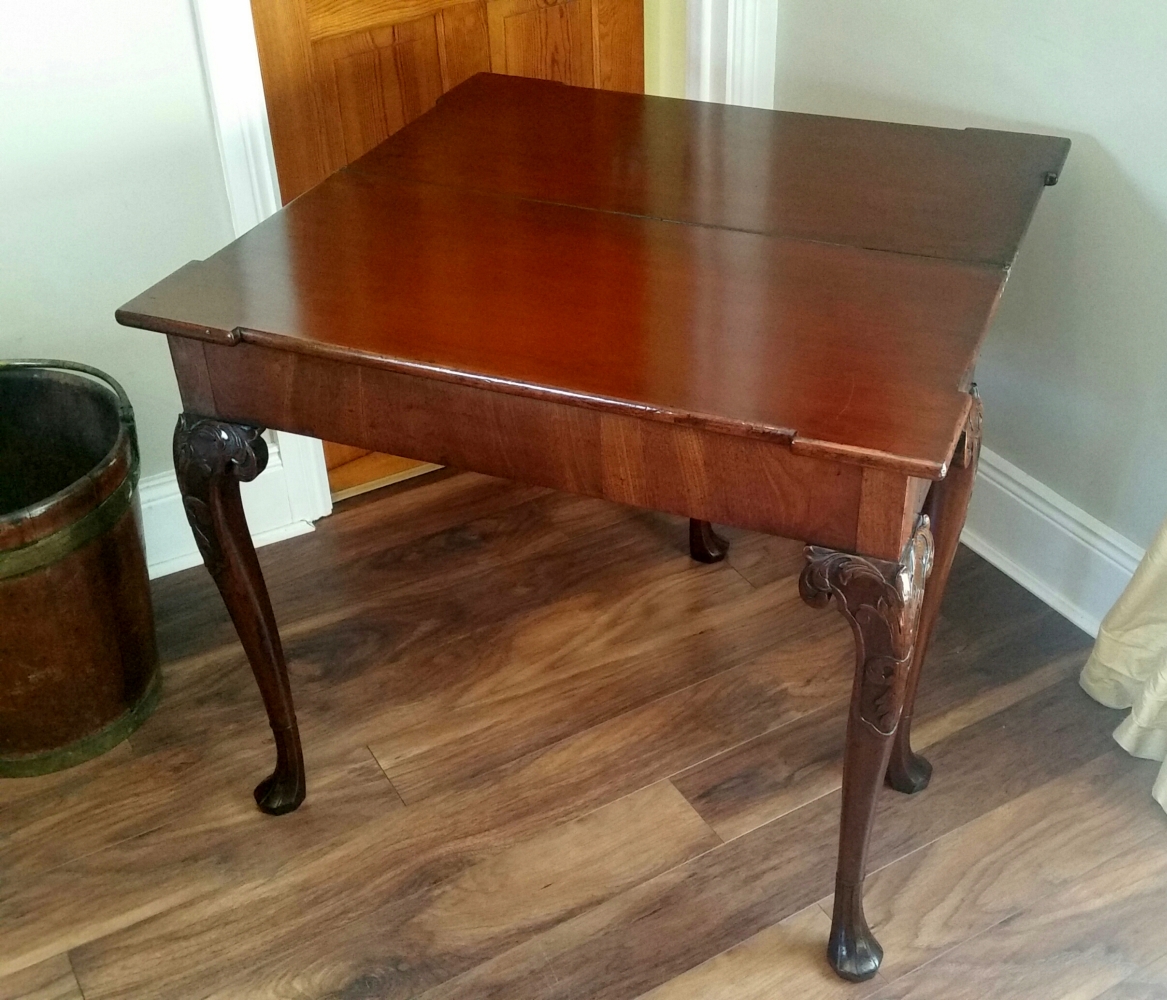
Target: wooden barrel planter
[[78, 659]]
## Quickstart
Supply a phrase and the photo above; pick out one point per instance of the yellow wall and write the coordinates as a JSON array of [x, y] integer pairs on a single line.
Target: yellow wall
[[664, 47]]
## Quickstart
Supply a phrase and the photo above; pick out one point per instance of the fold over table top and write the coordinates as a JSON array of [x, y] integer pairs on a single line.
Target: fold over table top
[[821, 281]]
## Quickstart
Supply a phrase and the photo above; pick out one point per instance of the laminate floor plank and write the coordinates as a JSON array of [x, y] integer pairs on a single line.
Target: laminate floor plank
[[184, 784], [51, 979], [658, 930], [782, 770], [442, 835], [1073, 945], [210, 723], [210, 726], [215, 838], [60, 783], [945, 893], [416, 653], [591, 659], [763, 559], [993, 867], [411, 940], [420, 684], [191, 619], [1147, 983], [752, 969]]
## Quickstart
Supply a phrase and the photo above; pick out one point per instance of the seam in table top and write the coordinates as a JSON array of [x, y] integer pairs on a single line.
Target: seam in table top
[[368, 175]]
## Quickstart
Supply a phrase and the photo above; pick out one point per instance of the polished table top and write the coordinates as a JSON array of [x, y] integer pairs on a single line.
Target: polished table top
[[819, 281]]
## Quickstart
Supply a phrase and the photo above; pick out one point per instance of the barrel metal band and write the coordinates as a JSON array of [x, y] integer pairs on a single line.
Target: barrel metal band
[[51, 548], [109, 736]]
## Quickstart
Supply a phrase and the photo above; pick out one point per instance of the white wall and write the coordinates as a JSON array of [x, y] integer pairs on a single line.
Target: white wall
[[1075, 370], [109, 179]]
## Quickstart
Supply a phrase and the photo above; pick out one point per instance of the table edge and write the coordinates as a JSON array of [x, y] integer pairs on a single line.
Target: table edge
[[850, 454]]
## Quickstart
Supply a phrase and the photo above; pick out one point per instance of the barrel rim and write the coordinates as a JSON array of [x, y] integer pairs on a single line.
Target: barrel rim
[[87, 492]]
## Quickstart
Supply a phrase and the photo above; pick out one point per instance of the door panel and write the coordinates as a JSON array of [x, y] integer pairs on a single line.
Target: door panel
[[546, 40], [618, 39], [370, 83], [465, 42], [340, 76]]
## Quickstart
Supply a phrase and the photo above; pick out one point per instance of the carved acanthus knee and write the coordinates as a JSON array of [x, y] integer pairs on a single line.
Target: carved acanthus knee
[[206, 450], [881, 599]]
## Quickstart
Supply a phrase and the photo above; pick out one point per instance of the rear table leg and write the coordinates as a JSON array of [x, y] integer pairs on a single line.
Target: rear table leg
[[881, 600], [705, 545], [946, 507], [211, 458]]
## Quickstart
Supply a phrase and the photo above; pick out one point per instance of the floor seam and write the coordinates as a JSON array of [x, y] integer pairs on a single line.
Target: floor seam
[[385, 775], [73, 972], [753, 586]]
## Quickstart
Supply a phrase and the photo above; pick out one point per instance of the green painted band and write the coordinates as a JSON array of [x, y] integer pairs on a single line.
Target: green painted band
[[109, 736], [54, 547]]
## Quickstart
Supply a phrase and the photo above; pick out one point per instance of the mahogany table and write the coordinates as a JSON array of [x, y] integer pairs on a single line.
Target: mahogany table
[[746, 317]]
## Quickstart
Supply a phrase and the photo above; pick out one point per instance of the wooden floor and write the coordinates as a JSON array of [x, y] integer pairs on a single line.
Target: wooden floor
[[550, 757]]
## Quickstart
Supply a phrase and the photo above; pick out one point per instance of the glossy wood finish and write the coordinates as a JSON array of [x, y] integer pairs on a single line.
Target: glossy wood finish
[[560, 660], [364, 247], [620, 333], [690, 470], [364, 272], [963, 195]]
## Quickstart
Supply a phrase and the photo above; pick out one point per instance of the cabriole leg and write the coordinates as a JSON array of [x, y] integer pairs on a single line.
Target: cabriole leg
[[946, 508], [212, 458], [881, 600]]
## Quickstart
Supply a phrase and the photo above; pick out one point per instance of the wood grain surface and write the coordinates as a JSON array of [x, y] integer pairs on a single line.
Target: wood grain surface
[[567, 761], [51, 979], [639, 317], [958, 194]]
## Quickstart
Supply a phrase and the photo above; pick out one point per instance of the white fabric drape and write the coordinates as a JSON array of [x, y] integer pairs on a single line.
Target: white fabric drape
[[1128, 667]]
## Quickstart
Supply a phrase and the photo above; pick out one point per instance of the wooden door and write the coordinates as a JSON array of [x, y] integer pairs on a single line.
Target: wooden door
[[340, 76]]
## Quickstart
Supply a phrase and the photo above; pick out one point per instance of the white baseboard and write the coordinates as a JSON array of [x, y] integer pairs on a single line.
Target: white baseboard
[[1058, 552], [170, 546]]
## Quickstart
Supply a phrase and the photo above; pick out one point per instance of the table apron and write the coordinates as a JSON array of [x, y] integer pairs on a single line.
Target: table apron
[[641, 461]]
